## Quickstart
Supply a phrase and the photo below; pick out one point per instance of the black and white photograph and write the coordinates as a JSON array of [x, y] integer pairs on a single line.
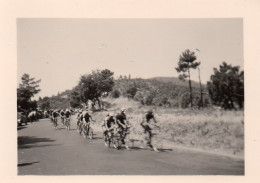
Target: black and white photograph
[[128, 96], [129, 91]]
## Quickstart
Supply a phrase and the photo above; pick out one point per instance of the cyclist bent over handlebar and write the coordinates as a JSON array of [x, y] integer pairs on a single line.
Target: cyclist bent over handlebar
[[108, 125], [123, 125], [147, 128], [86, 119]]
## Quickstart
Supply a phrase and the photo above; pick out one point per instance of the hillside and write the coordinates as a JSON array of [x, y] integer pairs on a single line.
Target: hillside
[[177, 81], [157, 91]]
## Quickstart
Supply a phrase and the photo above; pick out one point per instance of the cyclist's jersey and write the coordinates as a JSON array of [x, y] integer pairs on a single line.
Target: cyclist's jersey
[[55, 114], [67, 114], [109, 121], [121, 117], [86, 116], [79, 115], [51, 112], [148, 117], [62, 113]]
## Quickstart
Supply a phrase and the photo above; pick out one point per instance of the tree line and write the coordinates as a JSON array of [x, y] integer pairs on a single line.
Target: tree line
[[225, 89]]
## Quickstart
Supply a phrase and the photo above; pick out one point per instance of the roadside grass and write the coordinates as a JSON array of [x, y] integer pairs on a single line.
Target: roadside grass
[[207, 129]]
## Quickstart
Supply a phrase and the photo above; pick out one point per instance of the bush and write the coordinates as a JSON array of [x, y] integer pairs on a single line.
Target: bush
[[115, 94], [131, 92]]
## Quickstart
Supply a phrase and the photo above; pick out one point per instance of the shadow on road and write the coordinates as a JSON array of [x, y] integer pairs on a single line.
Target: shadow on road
[[96, 138], [164, 150], [21, 127], [64, 128], [26, 164], [30, 141], [148, 148]]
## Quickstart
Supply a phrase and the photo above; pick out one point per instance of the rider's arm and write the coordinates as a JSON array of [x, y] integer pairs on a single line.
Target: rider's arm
[[143, 121], [84, 120], [154, 119], [118, 121], [105, 123], [91, 119]]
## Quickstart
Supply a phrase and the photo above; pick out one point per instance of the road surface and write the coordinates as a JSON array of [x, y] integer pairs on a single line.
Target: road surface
[[42, 150]]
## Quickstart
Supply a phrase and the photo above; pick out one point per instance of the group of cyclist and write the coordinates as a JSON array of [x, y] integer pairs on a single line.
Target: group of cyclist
[[83, 122], [120, 122], [65, 116], [111, 122]]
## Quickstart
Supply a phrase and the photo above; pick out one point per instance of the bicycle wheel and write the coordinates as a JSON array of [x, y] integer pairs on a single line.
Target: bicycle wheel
[[78, 127], [68, 124], [107, 140], [90, 133], [55, 123], [84, 132], [116, 139]]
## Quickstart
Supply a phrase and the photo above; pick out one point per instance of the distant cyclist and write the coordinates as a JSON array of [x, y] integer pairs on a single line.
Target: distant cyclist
[[147, 127], [55, 115], [67, 113], [86, 119], [50, 115], [62, 116], [79, 121], [67, 118]]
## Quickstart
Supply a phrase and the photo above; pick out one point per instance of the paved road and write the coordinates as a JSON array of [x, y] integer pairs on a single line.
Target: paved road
[[42, 150]]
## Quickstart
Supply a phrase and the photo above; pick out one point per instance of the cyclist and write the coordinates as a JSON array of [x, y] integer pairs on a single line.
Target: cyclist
[[67, 117], [50, 115], [62, 116], [147, 128], [80, 120], [86, 119], [55, 115], [108, 125], [78, 117], [122, 124]]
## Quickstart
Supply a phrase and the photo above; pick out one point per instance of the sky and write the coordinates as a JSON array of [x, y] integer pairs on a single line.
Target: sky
[[59, 51]]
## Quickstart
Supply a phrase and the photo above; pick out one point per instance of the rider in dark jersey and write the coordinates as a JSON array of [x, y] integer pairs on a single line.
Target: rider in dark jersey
[[86, 119], [122, 124], [62, 116], [108, 123], [121, 119], [67, 113], [55, 114], [146, 125], [79, 121]]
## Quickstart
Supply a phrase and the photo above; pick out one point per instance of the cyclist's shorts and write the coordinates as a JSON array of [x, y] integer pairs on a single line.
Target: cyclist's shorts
[[146, 128]]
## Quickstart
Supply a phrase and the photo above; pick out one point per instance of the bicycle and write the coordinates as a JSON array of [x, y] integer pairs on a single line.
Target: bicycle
[[55, 122], [108, 137], [67, 123], [87, 130], [119, 136], [79, 126], [124, 135], [148, 133], [62, 120]]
